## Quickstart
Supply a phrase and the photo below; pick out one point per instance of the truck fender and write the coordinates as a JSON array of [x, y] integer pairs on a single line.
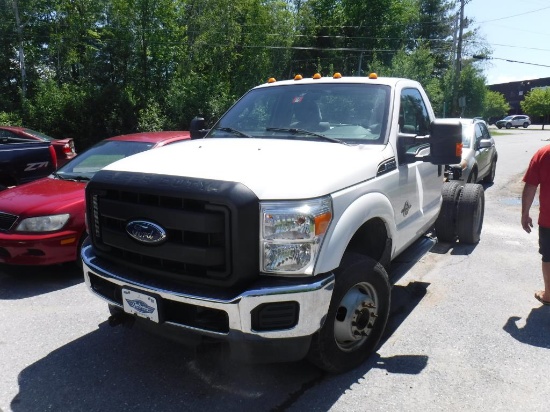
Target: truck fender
[[348, 221]]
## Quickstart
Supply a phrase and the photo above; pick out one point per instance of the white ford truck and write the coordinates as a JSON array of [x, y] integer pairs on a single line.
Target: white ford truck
[[272, 231]]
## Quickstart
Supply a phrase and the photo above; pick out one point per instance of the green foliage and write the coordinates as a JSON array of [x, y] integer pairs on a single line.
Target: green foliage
[[495, 105], [98, 68], [57, 109], [472, 88], [151, 119], [10, 119], [537, 103]]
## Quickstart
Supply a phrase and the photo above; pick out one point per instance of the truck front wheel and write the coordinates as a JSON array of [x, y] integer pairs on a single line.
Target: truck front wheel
[[357, 315]]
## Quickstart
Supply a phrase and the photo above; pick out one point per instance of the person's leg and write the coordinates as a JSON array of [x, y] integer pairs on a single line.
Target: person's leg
[[544, 249], [546, 277]]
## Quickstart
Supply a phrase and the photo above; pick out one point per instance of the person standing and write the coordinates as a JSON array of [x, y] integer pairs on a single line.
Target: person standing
[[538, 175]]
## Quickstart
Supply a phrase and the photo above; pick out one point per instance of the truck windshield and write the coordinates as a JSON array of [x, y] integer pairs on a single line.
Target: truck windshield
[[347, 113]]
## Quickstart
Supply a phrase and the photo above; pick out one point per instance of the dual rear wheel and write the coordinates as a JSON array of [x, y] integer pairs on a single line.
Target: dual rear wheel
[[461, 214]]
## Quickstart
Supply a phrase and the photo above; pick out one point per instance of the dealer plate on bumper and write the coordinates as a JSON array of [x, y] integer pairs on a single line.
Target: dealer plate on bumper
[[140, 304]]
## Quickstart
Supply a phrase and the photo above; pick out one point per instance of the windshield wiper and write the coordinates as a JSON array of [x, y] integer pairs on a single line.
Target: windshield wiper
[[234, 131], [303, 131], [77, 178]]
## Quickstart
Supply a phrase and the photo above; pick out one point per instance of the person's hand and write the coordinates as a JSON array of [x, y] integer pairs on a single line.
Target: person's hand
[[527, 223]]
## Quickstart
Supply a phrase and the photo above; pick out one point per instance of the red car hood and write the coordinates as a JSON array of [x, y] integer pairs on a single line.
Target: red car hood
[[43, 197]]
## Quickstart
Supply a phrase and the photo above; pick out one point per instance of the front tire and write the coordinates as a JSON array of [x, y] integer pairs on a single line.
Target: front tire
[[357, 315], [508, 125], [470, 211]]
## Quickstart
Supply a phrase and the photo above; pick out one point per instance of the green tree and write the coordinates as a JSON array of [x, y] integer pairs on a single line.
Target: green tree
[[419, 65], [537, 103], [434, 30], [472, 90], [495, 105]]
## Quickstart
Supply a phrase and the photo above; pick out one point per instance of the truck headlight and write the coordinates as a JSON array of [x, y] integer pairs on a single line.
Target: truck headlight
[[291, 235], [43, 223]]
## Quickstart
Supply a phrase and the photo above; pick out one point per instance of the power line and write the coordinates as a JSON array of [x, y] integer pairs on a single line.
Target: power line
[[480, 57], [515, 15]]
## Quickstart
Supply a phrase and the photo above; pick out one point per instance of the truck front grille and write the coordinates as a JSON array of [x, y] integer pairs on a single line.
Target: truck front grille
[[208, 238]]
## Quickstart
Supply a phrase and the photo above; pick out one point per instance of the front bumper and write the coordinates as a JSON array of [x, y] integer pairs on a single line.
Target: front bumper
[[228, 315], [38, 249]]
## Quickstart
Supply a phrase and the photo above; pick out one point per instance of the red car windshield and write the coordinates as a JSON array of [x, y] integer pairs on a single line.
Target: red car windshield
[[40, 135], [86, 164]]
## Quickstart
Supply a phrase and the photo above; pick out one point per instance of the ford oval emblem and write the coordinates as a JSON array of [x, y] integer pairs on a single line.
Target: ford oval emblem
[[146, 232]]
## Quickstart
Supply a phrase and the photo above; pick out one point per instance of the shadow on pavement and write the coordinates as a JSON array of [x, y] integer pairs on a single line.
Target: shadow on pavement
[[130, 370], [536, 331], [19, 282]]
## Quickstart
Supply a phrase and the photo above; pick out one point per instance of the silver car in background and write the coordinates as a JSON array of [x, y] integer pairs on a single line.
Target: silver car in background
[[514, 121], [479, 154]]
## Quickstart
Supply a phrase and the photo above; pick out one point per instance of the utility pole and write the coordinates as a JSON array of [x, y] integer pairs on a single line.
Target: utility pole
[[21, 51], [458, 61]]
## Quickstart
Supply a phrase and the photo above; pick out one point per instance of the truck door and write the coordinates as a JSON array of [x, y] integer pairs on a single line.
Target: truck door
[[419, 188]]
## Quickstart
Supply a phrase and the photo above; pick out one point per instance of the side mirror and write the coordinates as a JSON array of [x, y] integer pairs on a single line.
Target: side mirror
[[197, 129], [485, 143], [445, 142]]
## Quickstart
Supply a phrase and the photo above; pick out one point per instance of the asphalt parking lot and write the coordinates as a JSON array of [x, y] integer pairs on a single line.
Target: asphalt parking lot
[[465, 334]]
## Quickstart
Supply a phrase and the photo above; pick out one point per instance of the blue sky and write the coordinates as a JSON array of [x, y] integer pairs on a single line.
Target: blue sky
[[515, 30]]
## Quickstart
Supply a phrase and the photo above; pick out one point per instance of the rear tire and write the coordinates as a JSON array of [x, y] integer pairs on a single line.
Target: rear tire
[[490, 178], [445, 225], [473, 177], [470, 211], [357, 315], [525, 125], [508, 125]]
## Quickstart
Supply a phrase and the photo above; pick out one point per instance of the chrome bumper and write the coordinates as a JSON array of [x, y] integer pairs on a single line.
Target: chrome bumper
[[313, 299]]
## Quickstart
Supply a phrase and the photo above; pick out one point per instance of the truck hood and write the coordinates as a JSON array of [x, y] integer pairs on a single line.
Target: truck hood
[[46, 196], [271, 168]]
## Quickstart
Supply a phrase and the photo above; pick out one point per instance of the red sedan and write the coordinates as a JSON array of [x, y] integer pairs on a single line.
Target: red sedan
[[64, 148], [42, 222]]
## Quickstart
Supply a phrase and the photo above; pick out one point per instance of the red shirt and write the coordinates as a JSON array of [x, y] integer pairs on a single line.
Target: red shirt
[[538, 174]]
